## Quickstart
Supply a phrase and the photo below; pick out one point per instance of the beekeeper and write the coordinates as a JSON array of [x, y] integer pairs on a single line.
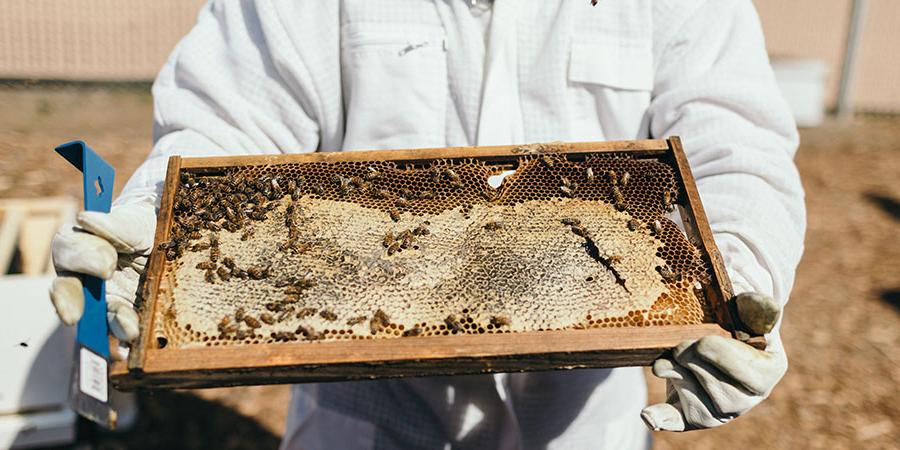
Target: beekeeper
[[284, 76]]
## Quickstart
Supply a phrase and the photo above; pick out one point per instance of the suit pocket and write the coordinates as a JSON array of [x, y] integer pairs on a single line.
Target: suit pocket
[[612, 81], [395, 86]]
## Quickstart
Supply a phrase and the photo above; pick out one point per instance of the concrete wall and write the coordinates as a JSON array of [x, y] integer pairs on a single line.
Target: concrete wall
[[818, 29], [90, 39]]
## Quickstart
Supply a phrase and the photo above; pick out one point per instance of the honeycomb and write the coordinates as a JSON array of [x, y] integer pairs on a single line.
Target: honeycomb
[[320, 251]]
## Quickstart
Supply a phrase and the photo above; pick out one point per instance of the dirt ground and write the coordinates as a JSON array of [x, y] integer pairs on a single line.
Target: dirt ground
[[842, 326]]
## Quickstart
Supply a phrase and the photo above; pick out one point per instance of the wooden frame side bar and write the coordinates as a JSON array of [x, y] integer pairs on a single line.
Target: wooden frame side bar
[[155, 266]]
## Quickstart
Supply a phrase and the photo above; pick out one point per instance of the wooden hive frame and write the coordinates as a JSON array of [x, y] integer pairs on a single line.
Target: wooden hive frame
[[150, 366]]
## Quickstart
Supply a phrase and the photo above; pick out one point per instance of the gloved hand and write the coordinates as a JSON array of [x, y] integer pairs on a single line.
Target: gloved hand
[[715, 379], [111, 246]]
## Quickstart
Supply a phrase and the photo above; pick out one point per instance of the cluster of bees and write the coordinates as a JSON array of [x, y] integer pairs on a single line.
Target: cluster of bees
[[228, 203], [454, 322], [404, 239]]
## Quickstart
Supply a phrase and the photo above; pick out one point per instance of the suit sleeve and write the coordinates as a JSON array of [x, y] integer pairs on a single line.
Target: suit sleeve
[[715, 88], [226, 90]]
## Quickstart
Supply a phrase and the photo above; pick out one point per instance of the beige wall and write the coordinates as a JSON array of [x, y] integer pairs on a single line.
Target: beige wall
[[130, 39], [90, 39], [818, 29]]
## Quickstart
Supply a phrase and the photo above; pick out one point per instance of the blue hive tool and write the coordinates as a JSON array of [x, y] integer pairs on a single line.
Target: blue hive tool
[[89, 392]]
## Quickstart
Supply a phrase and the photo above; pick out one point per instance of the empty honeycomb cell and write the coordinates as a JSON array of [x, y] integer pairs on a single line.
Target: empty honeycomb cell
[[302, 250]]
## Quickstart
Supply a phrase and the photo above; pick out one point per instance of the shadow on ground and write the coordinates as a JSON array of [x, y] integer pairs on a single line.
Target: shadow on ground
[[180, 420]]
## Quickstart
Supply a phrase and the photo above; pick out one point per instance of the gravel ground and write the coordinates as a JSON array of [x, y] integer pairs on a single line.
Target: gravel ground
[[842, 326]]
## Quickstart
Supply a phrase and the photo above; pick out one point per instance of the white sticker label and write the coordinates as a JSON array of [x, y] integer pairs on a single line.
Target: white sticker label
[[92, 377]]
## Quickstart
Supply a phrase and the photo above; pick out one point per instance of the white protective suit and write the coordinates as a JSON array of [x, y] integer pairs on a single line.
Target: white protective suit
[[288, 76]]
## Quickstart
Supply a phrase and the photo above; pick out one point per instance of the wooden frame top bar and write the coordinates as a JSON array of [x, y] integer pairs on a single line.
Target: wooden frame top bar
[[644, 147]]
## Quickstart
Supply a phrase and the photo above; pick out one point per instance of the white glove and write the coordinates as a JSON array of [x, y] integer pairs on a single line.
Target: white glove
[[111, 246], [716, 379]]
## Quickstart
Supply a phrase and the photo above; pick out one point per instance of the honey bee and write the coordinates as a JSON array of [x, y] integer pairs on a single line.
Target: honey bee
[[371, 174], [305, 312], [589, 174], [356, 320], [436, 175], [405, 193], [252, 322], [294, 290], [451, 174], [380, 320], [200, 246], [618, 198], [308, 332], [206, 265], [240, 335], [225, 326], [667, 274], [212, 226], [291, 185], [579, 230], [274, 307], [668, 203], [453, 323], [421, 230], [395, 215], [296, 193], [214, 253], [290, 298], [318, 190], [401, 202], [239, 314], [195, 235], [414, 331], [500, 321], [357, 181], [258, 272], [393, 248], [239, 273], [284, 282], [288, 246], [612, 176], [248, 233], [493, 225], [633, 224], [547, 160], [426, 195], [210, 276], [224, 274], [614, 259], [230, 227], [267, 318], [657, 227], [566, 191], [565, 182], [283, 336], [381, 194], [328, 315], [228, 262], [571, 222], [258, 214], [626, 177], [345, 187]]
